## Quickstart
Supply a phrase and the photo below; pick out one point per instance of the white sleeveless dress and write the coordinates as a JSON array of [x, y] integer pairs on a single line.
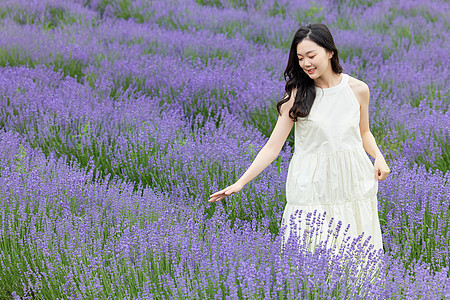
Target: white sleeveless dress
[[330, 170]]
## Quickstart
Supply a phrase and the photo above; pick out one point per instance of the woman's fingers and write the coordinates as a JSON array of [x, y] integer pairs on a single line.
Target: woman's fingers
[[381, 169], [217, 196], [229, 190], [225, 191], [380, 174], [219, 192]]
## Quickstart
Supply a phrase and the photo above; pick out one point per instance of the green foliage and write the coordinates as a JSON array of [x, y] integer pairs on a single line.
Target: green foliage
[[264, 119], [311, 15], [423, 12], [231, 28], [70, 67], [423, 246], [51, 18], [154, 47], [284, 44], [386, 52], [132, 163], [403, 32], [435, 99], [357, 3], [399, 32], [386, 86], [14, 57], [21, 160], [189, 52], [442, 162], [101, 7], [277, 9], [347, 52], [345, 23], [238, 3], [110, 226], [172, 21], [124, 12], [388, 145], [216, 3], [206, 105]]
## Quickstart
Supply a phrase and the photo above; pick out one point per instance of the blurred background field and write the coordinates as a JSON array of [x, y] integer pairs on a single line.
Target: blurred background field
[[118, 119]]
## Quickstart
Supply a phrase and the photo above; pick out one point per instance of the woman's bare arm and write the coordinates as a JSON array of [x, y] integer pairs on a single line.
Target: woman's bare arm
[[381, 169], [272, 148], [266, 155]]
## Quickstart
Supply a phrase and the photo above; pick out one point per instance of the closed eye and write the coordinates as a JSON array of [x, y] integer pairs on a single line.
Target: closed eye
[[310, 57]]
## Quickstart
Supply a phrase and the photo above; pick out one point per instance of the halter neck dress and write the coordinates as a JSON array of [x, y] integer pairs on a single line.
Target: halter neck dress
[[331, 172]]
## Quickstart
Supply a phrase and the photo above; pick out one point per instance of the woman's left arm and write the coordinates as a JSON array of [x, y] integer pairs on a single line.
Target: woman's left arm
[[381, 169]]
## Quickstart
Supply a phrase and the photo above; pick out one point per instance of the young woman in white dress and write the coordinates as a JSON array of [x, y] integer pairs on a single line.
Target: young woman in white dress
[[329, 170]]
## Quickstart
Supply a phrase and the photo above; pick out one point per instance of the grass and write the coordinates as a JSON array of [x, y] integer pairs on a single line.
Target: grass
[[215, 3], [51, 18], [70, 67]]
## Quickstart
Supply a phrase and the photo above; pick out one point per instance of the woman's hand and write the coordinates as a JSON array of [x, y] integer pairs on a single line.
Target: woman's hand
[[229, 190], [381, 169]]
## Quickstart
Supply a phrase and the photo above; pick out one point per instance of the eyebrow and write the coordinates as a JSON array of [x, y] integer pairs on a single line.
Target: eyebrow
[[307, 52]]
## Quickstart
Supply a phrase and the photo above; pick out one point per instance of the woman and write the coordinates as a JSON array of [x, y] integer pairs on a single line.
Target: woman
[[329, 170]]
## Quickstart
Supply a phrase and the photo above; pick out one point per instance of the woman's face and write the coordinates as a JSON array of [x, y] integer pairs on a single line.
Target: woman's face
[[313, 57]]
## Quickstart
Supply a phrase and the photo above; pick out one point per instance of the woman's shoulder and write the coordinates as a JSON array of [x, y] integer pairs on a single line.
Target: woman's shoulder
[[358, 86], [287, 104], [360, 89], [356, 83]]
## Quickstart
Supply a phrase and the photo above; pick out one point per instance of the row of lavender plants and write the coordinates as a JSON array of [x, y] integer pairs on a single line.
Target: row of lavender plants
[[66, 235], [120, 115]]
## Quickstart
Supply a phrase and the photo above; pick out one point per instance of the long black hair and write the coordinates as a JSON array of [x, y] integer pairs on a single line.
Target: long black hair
[[296, 78]]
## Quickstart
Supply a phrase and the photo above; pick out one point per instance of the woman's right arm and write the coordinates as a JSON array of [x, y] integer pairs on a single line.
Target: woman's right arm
[[267, 154]]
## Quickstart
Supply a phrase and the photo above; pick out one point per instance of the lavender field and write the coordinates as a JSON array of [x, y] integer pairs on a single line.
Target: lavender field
[[118, 119]]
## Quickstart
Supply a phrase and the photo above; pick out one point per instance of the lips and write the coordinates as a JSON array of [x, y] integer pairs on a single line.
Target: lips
[[310, 71]]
